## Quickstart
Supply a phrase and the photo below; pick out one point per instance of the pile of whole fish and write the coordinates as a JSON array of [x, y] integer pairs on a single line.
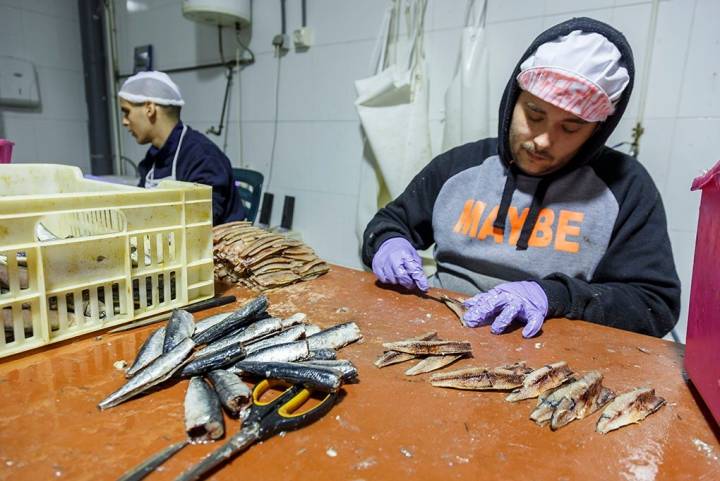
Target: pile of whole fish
[[563, 395], [216, 352], [246, 341], [433, 353], [260, 259]]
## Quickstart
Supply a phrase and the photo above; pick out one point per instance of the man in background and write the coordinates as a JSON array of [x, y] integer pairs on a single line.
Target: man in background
[[151, 103]]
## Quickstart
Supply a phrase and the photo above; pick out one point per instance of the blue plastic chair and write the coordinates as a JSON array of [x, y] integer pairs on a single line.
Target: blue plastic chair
[[249, 185]]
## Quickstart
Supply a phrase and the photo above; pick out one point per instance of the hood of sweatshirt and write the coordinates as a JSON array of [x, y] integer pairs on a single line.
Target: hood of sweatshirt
[[592, 147]]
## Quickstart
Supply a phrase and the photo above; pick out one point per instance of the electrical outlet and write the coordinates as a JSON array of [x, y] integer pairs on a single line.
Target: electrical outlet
[[303, 37]]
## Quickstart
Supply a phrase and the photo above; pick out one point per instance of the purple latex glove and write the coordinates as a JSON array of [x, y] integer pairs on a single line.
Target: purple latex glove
[[524, 300], [397, 262]]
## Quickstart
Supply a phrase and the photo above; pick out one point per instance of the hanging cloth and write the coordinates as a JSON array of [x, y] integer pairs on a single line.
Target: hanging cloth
[[393, 109], [467, 116]]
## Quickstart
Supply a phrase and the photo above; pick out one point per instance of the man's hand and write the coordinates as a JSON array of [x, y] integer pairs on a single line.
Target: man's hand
[[397, 262], [523, 300]]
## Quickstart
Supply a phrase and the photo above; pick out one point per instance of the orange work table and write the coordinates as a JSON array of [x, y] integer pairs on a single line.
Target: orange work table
[[386, 427]]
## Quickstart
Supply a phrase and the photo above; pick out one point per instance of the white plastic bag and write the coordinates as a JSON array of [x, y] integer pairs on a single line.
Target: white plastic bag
[[393, 109]]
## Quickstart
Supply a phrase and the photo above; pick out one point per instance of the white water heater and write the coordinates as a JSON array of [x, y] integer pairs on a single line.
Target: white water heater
[[218, 12]]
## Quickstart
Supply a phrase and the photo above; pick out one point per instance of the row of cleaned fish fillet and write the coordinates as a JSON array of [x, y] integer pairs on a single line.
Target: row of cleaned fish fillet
[[262, 260], [563, 395]]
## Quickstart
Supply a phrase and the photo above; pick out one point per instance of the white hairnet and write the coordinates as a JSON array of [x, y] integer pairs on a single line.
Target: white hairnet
[[151, 87]]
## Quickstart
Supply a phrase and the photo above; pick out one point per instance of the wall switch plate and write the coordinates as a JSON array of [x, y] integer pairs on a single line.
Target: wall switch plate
[[143, 59], [303, 37]]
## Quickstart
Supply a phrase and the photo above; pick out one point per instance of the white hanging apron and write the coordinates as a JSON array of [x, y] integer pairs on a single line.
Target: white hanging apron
[[467, 113], [150, 181], [393, 110]]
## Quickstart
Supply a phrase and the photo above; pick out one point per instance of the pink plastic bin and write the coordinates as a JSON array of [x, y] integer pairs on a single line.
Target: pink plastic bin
[[702, 350], [6, 148]]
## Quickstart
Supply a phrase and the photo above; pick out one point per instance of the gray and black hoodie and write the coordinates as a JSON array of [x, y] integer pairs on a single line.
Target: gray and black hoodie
[[592, 234]]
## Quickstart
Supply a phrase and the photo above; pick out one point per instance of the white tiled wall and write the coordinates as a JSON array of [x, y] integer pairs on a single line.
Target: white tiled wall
[[47, 33], [318, 148]]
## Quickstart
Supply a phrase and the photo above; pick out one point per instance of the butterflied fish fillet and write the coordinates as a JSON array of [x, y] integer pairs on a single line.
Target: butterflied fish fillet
[[483, 379], [630, 407], [454, 305], [572, 401], [541, 380], [394, 357], [432, 363], [430, 348]]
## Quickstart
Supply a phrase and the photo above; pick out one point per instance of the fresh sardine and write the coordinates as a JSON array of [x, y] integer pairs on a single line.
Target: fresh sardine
[[256, 330], [151, 349], [241, 317], [288, 352], [335, 337], [432, 363], [288, 335], [156, 372], [322, 355], [483, 379], [312, 329], [180, 326], [627, 408], [347, 368], [430, 348], [203, 416], [541, 380], [233, 393], [395, 357], [572, 401], [203, 324], [297, 318], [312, 377], [214, 360]]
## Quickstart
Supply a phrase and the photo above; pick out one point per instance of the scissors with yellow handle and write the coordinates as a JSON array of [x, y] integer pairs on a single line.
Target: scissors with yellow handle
[[264, 420]]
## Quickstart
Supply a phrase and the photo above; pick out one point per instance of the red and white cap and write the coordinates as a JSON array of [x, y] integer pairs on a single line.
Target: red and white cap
[[580, 73]]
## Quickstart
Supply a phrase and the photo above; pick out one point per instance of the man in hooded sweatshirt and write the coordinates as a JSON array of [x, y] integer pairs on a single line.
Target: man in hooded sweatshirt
[[151, 104], [545, 220]]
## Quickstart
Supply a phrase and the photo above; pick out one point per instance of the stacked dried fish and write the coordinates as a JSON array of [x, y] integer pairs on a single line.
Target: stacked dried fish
[[262, 260], [433, 353], [217, 351]]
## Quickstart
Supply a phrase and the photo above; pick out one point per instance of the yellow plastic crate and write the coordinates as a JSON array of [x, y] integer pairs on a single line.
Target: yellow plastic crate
[[79, 255]]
